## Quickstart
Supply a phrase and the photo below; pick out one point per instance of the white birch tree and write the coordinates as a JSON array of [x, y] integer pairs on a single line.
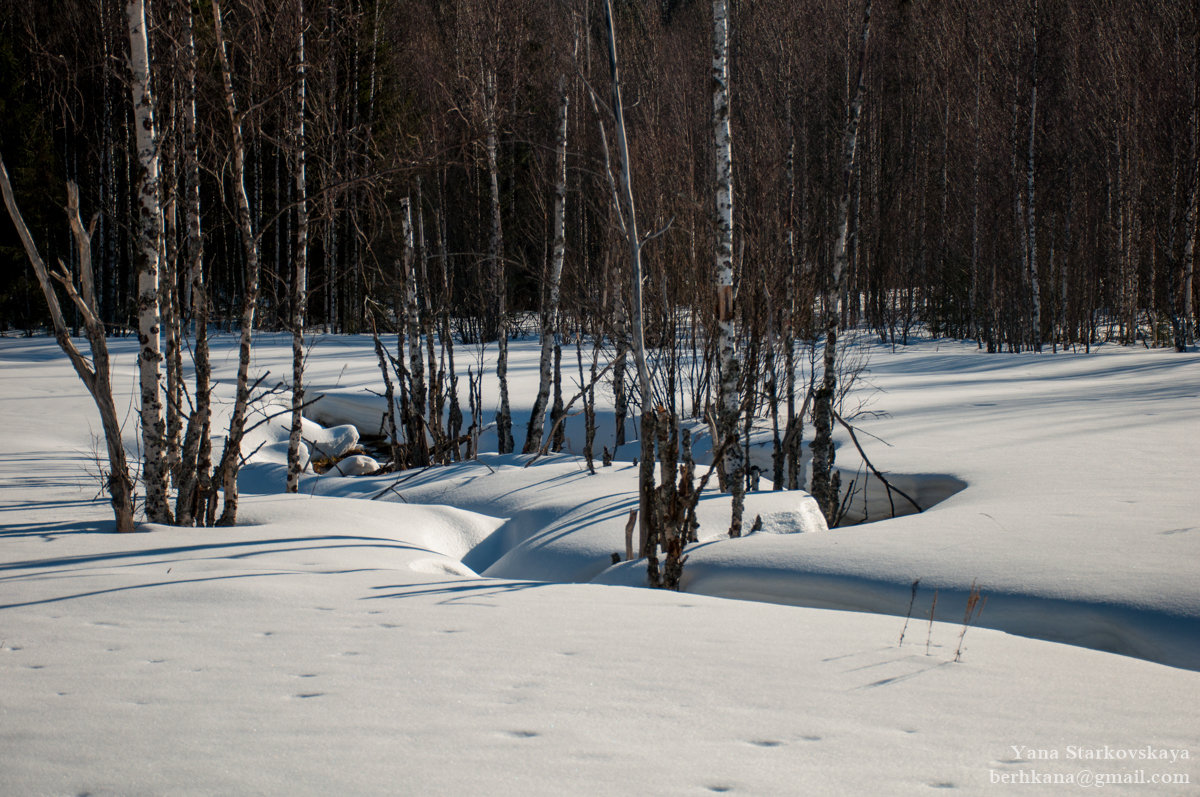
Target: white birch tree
[[826, 484], [537, 418], [499, 280], [195, 481], [415, 423], [300, 276], [155, 472], [730, 366], [232, 453]]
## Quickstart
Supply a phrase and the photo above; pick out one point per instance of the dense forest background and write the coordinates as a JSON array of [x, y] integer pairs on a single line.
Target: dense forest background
[[1026, 175]]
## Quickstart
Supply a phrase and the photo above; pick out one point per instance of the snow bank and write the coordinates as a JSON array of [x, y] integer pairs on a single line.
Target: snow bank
[[331, 645]]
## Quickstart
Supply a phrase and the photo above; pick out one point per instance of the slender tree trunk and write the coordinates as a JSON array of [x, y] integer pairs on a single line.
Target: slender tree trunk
[[646, 538], [171, 317], [436, 396], [454, 416], [973, 300], [300, 273], [1035, 293], [149, 233], [504, 435], [826, 484], [1065, 270], [418, 449], [730, 365], [1185, 328], [232, 454], [533, 435], [196, 483]]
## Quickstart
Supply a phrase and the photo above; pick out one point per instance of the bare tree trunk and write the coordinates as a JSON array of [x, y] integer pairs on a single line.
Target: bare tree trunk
[[826, 484], [418, 449], [504, 435], [646, 536], [155, 472], [1035, 293], [300, 276], [1065, 270], [973, 300], [437, 375], [169, 290], [232, 454], [1185, 330], [1184, 335], [729, 403], [96, 374], [557, 413], [196, 461], [454, 416], [537, 419]]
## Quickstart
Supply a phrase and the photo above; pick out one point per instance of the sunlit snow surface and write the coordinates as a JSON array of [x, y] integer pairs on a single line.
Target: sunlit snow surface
[[333, 645]]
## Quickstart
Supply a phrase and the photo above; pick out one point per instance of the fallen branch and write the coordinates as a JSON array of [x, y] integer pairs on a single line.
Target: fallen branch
[[890, 487]]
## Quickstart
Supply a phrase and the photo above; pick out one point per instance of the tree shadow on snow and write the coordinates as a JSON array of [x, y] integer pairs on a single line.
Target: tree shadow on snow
[[52, 531], [461, 592]]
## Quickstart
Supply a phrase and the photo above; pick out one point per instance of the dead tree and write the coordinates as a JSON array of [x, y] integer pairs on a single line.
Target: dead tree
[[96, 374]]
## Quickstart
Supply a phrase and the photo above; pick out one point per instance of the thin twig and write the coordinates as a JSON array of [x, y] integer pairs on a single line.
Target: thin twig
[[890, 487]]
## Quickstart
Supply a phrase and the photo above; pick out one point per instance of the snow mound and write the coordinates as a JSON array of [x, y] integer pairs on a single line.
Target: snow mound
[[356, 465]]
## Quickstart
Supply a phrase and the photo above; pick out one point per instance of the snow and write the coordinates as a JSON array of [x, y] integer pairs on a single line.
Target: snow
[[466, 631]]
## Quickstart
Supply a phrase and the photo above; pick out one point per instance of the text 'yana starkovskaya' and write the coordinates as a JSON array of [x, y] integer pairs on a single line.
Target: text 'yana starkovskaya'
[[1105, 752]]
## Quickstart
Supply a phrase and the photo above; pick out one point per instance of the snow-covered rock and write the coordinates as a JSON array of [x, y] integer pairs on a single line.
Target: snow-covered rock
[[330, 443], [356, 465]]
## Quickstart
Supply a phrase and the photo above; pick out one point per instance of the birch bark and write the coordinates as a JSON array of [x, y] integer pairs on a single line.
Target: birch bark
[[155, 472], [300, 277], [496, 259], [537, 419], [232, 454], [646, 488], [825, 481], [730, 365], [196, 462]]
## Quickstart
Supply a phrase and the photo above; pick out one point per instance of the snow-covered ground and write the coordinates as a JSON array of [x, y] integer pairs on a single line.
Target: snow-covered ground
[[418, 643]]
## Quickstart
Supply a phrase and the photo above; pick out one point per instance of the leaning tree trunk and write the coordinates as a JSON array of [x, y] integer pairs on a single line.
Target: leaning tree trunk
[[155, 472], [537, 419], [730, 367], [300, 278], [826, 485], [96, 374], [646, 489], [232, 454]]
